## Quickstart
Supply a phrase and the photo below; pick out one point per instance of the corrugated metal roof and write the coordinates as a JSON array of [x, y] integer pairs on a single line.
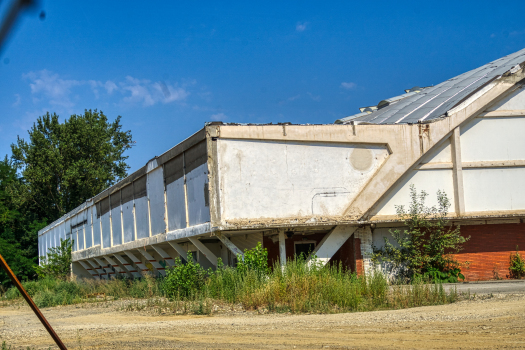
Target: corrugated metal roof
[[434, 102]]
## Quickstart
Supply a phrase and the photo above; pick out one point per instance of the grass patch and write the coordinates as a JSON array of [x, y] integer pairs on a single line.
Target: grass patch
[[297, 288]]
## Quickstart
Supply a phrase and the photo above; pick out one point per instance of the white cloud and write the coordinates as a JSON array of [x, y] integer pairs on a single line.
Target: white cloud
[[49, 85], [349, 85], [316, 98], [18, 99], [149, 93], [301, 26], [289, 99], [110, 86], [219, 117]]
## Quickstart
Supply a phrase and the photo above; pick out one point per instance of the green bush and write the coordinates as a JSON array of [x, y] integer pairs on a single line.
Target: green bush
[[57, 263], [427, 246], [517, 265], [184, 280]]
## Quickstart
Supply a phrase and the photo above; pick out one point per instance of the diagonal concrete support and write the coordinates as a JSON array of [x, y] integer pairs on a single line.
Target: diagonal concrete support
[[116, 266], [89, 269], [137, 262], [128, 266], [179, 249], [98, 268], [232, 247], [107, 267], [204, 250], [167, 258], [331, 243], [160, 269]]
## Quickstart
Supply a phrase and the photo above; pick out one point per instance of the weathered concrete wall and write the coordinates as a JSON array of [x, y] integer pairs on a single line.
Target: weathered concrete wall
[[271, 180]]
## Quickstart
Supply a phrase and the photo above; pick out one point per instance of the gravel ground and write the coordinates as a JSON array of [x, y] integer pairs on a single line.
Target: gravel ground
[[487, 322]]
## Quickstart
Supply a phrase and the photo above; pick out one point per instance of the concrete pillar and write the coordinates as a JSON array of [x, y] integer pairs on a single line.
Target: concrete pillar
[[282, 247], [364, 250]]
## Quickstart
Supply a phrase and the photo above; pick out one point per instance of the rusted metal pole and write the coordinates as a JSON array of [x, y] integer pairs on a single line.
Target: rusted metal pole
[[33, 306]]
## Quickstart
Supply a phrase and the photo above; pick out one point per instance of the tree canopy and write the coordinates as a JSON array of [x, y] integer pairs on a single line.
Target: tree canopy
[[61, 165]]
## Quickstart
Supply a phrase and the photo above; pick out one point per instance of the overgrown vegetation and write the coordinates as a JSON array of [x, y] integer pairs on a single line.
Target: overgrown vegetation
[[517, 265], [298, 287], [425, 248], [57, 263], [59, 166]]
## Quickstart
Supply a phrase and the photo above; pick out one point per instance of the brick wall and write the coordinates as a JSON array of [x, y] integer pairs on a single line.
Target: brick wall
[[486, 255]]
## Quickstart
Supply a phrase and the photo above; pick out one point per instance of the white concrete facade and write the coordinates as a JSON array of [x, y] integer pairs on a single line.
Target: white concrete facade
[[228, 186]]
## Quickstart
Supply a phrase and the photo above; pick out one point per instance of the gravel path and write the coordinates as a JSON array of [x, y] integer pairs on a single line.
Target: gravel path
[[485, 323]]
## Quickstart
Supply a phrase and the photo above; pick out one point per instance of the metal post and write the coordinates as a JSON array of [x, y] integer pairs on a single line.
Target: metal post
[[35, 309]]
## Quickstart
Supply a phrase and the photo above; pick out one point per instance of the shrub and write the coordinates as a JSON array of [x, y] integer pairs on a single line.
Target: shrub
[[57, 263], [517, 265], [255, 259], [184, 280], [426, 247]]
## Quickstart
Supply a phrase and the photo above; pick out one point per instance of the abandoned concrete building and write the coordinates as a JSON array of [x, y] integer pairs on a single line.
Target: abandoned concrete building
[[331, 188]]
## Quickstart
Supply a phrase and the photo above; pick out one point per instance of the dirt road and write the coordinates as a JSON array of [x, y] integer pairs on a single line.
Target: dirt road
[[495, 323]]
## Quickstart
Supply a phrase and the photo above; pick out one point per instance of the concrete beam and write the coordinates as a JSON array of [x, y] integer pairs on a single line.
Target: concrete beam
[[116, 266], [105, 266], [331, 243], [98, 268], [169, 260], [229, 244], [204, 250], [457, 172], [128, 266], [179, 249], [137, 262], [156, 265], [89, 269]]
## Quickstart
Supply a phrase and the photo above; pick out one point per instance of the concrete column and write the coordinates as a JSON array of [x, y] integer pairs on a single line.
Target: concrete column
[[365, 236], [282, 247]]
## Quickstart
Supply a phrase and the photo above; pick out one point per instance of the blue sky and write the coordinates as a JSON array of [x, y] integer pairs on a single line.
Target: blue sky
[[168, 67]]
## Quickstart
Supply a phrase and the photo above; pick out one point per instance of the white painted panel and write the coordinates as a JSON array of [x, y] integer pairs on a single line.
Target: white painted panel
[[53, 238], [116, 222], [428, 180], [514, 101], [80, 237], [196, 184], [40, 247], [106, 230], [96, 227], [74, 234], [141, 215], [494, 189], [156, 201], [88, 229], [67, 228], [129, 225], [62, 231], [176, 205], [441, 155], [485, 139], [263, 179]]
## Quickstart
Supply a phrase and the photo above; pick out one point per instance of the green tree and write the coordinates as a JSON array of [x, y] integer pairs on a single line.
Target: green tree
[[18, 229], [427, 245], [63, 164]]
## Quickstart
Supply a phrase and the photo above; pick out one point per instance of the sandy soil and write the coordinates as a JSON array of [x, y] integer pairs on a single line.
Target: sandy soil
[[485, 323]]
